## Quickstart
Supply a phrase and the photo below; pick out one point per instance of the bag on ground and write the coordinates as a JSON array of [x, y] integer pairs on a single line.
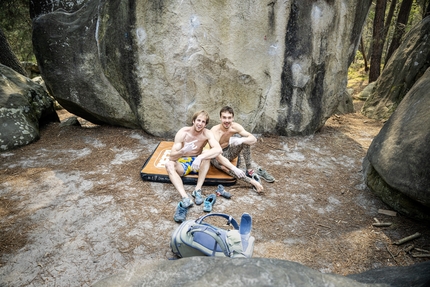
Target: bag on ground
[[198, 238]]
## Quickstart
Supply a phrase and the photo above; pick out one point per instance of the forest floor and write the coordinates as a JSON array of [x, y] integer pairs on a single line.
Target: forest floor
[[74, 209]]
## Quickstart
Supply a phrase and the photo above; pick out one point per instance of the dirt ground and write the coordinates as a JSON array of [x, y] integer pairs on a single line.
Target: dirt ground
[[73, 208]]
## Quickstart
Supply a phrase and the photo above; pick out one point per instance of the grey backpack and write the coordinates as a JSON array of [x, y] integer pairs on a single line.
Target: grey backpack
[[198, 238]]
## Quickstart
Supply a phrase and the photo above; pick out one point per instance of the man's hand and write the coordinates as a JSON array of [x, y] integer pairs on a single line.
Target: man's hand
[[196, 164], [240, 173], [188, 147], [236, 141]]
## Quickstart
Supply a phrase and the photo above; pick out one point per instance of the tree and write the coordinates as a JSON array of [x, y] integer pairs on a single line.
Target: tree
[[399, 30], [427, 10], [17, 26], [361, 48], [7, 57], [389, 17], [377, 40]]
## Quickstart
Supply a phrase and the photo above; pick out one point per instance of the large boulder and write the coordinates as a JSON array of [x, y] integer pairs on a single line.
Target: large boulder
[[282, 65], [23, 105], [210, 271], [397, 165], [366, 92], [404, 68]]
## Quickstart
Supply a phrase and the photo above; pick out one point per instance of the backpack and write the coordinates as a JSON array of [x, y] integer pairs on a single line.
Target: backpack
[[198, 238]]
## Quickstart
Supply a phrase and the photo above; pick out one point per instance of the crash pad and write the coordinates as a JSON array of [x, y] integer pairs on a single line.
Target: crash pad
[[154, 169]]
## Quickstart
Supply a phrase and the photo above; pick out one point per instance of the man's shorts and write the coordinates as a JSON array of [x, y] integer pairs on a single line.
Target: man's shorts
[[186, 163]]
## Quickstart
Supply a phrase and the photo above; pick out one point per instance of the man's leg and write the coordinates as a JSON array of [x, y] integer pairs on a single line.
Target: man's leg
[[173, 170], [231, 152], [203, 171], [246, 153]]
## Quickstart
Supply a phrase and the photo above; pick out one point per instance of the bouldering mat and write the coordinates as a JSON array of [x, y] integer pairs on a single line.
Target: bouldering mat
[[154, 170]]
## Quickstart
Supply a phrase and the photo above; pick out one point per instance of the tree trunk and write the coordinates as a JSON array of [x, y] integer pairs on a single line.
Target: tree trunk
[[377, 40], [427, 11], [7, 57], [399, 29], [361, 47], [389, 18]]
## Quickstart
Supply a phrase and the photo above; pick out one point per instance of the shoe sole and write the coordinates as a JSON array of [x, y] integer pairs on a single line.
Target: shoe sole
[[227, 197], [270, 181]]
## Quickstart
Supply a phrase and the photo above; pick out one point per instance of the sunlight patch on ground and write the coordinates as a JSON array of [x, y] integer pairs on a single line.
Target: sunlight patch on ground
[[124, 156]]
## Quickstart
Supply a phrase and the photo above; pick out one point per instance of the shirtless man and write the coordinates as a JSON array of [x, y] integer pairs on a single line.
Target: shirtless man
[[187, 156], [232, 146]]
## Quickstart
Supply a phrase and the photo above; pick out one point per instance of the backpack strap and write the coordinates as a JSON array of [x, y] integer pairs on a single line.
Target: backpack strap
[[215, 234], [230, 219]]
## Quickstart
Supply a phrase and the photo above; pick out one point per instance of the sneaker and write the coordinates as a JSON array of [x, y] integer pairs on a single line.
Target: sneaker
[[186, 202], [265, 175], [209, 202], [221, 192], [180, 213], [197, 194]]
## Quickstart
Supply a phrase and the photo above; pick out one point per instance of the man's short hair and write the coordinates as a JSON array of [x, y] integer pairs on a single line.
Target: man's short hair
[[202, 112], [226, 109]]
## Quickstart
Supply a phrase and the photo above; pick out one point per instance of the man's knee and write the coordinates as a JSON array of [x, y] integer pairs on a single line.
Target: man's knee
[[205, 162], [170, 167]]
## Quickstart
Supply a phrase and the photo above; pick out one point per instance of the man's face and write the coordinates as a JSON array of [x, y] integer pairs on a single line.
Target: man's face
[[226, 119], [199, 123]]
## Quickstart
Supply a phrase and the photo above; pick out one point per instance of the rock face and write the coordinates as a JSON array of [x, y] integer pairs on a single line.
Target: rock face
[[403, 69], [397, 165], [23, 104], [365, 93], [258, 272], [282, 65]]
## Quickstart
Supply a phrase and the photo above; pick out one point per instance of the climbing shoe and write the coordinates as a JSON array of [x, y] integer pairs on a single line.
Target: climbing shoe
[[220, 191], [180, 213], [186, 202], [209, 202], [265, 175], [197, 194]]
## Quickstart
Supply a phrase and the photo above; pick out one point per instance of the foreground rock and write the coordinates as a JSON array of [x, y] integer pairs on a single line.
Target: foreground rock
[[23, 105], [397, 165], [281, 64], [403, 69], [256, 272]]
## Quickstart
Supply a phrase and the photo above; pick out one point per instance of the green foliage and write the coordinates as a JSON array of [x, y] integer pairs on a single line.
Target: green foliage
[[16, 24]]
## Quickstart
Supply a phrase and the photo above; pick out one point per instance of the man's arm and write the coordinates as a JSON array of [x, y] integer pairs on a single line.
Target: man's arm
[[246, 137], [215, 149], [177, 151], [226, 163], [213, 152]]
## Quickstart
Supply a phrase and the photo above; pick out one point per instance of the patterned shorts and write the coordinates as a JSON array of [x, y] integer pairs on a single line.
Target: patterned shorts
[[186, 163]]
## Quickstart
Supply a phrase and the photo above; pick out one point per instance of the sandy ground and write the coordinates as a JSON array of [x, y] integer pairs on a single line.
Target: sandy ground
[[73, 208]]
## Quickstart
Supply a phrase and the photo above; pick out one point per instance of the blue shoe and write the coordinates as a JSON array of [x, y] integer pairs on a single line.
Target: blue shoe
[[221, 192], [209, 202], [180, 213], [197, 194], [186, 202]]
